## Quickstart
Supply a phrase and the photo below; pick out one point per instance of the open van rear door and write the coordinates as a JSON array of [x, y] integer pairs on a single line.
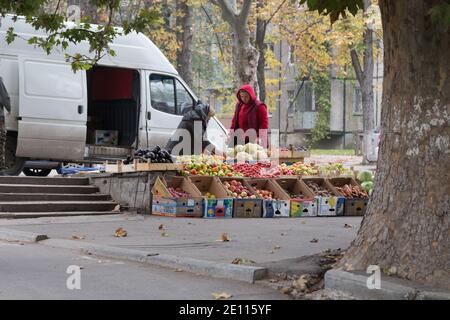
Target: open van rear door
[[52, 110]]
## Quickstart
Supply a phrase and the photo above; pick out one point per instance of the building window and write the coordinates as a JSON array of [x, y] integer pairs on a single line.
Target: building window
[[291, 54], [291, 103], [357, 101]]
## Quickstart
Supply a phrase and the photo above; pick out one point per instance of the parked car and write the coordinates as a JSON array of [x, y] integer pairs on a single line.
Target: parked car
[[135, 99]]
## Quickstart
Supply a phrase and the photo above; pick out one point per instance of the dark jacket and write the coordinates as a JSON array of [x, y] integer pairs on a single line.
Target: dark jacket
[[198, 113], [4, 99]]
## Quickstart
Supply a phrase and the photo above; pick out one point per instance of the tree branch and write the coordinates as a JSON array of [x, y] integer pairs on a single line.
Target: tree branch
[[357, 66], [245, 11], [228, 13], [215, 33], [275, 12]]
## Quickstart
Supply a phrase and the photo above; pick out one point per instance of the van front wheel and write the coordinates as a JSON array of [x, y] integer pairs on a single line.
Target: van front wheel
[[35, 172], [14, 165]]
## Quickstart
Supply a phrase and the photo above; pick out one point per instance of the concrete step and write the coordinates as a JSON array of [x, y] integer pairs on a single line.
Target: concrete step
[[56, 206], [28, 188], [45, 181], [26, 215], [10, 197]]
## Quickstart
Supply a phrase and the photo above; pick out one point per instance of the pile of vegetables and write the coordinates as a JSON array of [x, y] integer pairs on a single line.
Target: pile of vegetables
[[318, 189], [366, 180], [350, 191], [257, 170], [153, 155], [248, 152]]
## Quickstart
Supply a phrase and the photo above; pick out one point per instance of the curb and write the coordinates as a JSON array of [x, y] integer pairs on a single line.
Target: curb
[[17, 236], [391, 288], [202, 267]]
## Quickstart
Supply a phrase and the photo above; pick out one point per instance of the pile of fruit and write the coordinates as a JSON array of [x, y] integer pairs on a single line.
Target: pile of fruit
[[334, 169], [205, 166], [300, 168], [248, 152], [318, 189], [178, 193], [209, 196], [153, 155], [294, 195], [238, 190], [257, 170], [265, 194], [350, 191]]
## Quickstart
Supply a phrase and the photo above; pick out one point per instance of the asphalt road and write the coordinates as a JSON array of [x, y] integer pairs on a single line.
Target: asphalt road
[[33, 271]]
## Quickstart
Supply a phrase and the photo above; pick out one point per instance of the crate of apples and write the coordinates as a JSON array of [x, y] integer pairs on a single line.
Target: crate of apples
[[238, 190], [265, 194], [178, 193]]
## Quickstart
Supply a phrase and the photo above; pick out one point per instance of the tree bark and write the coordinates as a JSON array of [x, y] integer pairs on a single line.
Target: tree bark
[[407, 224], [365, 79], [261, 28], [245, 55], [184, 39]]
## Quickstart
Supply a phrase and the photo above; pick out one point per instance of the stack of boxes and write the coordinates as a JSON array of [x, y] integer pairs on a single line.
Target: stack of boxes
[[209, 198]]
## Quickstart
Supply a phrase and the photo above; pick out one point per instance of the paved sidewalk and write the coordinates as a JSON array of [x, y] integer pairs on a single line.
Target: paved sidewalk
[[260, 240]]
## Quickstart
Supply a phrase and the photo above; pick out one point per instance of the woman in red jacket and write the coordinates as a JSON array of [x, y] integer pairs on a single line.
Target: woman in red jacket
[[250, 114]]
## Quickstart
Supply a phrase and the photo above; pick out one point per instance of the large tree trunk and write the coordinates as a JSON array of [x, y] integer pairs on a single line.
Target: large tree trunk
[[261, 28], [245, 55], [407, 224], [184, 39]]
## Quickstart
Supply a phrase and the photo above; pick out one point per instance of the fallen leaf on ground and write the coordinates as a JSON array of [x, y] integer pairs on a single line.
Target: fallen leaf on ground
[[161, 227], [75, 237], [435, 244], [284, 234], [314, 240], [116, 208], [348, 226], [224, 237], [163, 234], [179, 270], [274, 280], [121, 232], [222, 295], [242, 261], [276, 248], [286, 290], [303, 222], [300, 283]]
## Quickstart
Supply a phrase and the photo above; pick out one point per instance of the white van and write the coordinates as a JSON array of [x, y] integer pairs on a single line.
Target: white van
[[135, 99]]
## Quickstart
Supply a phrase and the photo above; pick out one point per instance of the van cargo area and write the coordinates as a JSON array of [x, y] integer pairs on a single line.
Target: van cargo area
[[113, 108]]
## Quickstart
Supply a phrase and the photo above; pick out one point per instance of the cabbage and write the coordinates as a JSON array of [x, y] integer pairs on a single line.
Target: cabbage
[[241, 157], [368, 186], [365, 176], [251, 148], [230, 152], [239, 148]]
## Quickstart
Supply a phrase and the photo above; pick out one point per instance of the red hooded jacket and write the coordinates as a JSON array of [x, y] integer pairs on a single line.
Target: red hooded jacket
[[251, 116]]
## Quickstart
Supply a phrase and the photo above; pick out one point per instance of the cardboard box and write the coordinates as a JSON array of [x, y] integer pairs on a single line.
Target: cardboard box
[[245, 208], [306, 207], [279, 208], [222, 205], [355, 207], [163, 204], [106, 137], [352, 206], [327, 206]]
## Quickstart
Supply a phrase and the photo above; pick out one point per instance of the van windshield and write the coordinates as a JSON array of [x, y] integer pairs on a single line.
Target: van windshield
[[217, 134]]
